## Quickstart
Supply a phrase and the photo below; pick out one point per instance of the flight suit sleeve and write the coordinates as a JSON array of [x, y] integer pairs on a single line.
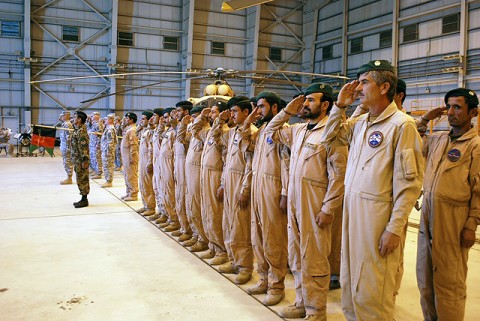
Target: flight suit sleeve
[[277, 131], [336, 166], [408, 171], [284, 168], [197, 128], [248, 152], [338, 133], [149, 148], [133, 144], [473, 219], [183, 136]]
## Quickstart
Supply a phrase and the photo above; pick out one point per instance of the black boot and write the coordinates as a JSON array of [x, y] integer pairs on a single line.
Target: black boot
[[82, 203]]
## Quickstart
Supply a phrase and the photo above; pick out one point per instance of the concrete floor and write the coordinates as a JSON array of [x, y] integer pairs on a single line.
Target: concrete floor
[[106, 262]]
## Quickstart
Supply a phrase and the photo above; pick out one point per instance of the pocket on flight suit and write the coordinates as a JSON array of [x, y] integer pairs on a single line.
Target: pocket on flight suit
[[409, 164], [447, 278], [368, 287], [318, 265]]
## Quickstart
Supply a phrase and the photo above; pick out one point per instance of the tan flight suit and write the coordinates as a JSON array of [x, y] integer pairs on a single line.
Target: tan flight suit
[[157, 179], [315, 185], [167, 186], [212, 162], [180, 147], [269, 222], [451, 202], [382, 182], [236, 180], [129, 148], [146, 178], [192, 180]]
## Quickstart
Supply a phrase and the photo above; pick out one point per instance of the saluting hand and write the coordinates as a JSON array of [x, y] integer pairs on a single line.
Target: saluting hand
[[434, 113], [253, 117], [187, 119], [295, 106], [205, 112], [224, 115], [388, 243], [347, 94]]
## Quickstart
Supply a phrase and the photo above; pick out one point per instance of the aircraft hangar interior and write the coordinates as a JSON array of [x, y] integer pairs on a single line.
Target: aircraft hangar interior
[[110, 261]]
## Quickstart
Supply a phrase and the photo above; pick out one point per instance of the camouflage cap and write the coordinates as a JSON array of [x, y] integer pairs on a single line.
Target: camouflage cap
[[462, 92], [317, 87], [375, 65]]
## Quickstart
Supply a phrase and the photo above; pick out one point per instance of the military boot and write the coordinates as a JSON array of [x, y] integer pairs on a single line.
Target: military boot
[[274, 296], [107, 184], [162, 219], [243, 277], [198, 247], [82, 203], [293, 312], [66, 181]]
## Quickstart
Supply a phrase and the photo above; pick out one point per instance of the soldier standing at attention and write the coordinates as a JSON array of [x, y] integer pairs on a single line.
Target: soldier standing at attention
[[95, 128], [210, 177], [146, 166], [315, 195], [109, 146], [382, 182], [129, 150], [269, 192], [81, 156], [159, 127], [236, 181], [65, 137], [118, 132], [450, 209]]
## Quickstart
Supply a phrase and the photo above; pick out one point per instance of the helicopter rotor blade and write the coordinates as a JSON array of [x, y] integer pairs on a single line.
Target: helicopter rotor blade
[[292, 73]]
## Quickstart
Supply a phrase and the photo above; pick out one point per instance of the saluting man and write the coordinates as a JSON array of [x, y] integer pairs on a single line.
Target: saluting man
[[382, 182], [450, 208], [81, 156], [146, 166], [315, 194], [129, 151]]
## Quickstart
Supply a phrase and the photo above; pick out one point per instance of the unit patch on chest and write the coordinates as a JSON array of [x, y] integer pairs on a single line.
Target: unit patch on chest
[[453, 155], [375, 139], [269, 140], [210, 142]]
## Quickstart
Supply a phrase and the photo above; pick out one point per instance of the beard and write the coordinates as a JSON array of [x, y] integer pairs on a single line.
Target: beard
[[306, 113]]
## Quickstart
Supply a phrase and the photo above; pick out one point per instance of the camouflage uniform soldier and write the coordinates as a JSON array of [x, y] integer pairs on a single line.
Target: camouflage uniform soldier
[[118, 131], [109, 144], [4, 138], [65, 137], [94, 126], [80, 156]]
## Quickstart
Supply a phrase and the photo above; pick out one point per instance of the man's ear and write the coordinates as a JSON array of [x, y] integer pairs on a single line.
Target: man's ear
[[474, 112], [384, 88]]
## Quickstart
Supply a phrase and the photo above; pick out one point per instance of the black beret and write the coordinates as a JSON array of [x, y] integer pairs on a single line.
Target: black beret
[[184, 104], [269, 95], [148, 113], [197, 109], [375, 65], [221, 105], [254, 100], [158, 111], [401, 86], [81, 114], [236, 100], [168, 110], [462, 92], [317, 87], [132, 116]]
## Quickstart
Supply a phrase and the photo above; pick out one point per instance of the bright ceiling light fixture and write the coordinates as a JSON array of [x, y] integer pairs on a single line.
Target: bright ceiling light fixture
[[233, 5]]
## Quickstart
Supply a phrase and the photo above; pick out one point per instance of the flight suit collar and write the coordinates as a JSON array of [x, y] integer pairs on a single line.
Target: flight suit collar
[[387, 113], [468, 135], [320, 124]]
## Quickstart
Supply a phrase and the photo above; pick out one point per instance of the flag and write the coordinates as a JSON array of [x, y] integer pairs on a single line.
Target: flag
[[43, 137]]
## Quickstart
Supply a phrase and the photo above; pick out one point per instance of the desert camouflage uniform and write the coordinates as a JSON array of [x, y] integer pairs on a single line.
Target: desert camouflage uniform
[[80, 154], [118, 156], [95, 149], [109, 144], [65, 138], [4, 138]]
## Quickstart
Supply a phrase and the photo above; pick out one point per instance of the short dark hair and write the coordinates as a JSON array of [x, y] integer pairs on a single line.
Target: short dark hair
[[82, 116]]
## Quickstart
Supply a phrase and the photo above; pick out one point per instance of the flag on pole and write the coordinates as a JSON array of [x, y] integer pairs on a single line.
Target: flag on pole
[[43, 137]]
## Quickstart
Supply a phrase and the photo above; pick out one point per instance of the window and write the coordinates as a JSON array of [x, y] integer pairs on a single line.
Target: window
[[451, 23], [125, 39], [170, 43], [386, 38], [410, 32], [275, 54], [218, 48], [70, 33], [327, 52], [10, 28], [356, 45]]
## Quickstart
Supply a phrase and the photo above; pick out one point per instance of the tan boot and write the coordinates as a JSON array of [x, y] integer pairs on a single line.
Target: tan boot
[[293, 312], [227, 268], [154, 217], [218, 259], [259, 288], [148, 212], [162, 219], [184, 237], [176, 233], [130, 198], [162, 225], [190, 242], [243, 277], [207, 255], [198, 247], [96, 176], [172, 227], [107, 184], [140, 210], [273, 297], [66, 181]]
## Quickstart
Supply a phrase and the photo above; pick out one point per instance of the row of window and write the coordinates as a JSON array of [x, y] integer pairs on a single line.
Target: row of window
[[450, 24]]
